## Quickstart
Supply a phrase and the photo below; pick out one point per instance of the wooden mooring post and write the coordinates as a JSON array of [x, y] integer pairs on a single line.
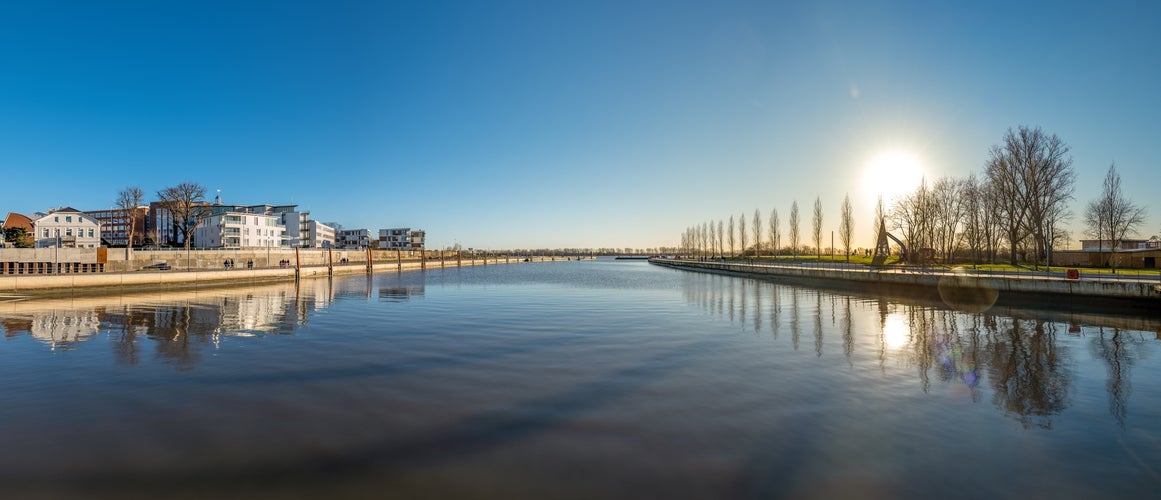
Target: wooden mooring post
[[297, 263]]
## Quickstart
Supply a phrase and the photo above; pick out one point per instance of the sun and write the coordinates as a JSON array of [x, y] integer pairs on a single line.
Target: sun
[[892, 175]]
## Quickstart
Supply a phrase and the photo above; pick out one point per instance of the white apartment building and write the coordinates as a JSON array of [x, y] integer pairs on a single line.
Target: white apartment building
[[240, 230], [302, 231], [401, 239], [297, 225], [320, 235], [66, 228]]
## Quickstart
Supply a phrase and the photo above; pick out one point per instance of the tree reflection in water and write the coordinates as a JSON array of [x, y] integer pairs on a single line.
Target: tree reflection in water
[[1030, 377], [848, 335], [794, 317], [1118, 348], [1013, 353]]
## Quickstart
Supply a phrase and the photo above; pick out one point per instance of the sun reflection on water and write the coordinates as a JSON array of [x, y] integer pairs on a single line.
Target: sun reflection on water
[[896, 331]]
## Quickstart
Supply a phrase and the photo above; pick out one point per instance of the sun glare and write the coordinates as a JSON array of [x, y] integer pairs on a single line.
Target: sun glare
[[892, 175], [896, 331]]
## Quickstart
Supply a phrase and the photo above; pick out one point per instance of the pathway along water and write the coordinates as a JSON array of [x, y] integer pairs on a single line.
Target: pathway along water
[[605, 379], [959, 288]]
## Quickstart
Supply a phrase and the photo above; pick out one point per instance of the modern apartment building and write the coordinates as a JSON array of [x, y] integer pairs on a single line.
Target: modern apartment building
[[240, 230], [401, 239], [302, 231], [353, 238], [299, 229], [115, 224], [320, 235]]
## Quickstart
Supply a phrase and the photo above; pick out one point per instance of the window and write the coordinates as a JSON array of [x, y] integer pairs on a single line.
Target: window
[[90, 233], [69, 232], [68, 218], [46, 233], [56, 218]]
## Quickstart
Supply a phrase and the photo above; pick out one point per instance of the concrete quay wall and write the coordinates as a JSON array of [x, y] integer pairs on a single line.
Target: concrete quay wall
[[16, 286], [1137, 291], [112, 260]]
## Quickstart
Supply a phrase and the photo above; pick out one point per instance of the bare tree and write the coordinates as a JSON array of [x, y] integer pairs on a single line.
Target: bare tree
[[1008, 197], [912, 216], [757, 233], [687, 241], [731, 233], [846, 225], [712, 240], [721, 240], [186, 204], [704, 239], [948, 203], [742, 232], [772, 221], [817, 226], [794, 228], [973, 217], [1111, 216], [990, 229], [1032, 177], [695, 240], [1054, 182], [128, 200]]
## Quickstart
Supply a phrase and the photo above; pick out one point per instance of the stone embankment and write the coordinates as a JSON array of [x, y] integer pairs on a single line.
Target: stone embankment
[[26, 285], [959, 289]]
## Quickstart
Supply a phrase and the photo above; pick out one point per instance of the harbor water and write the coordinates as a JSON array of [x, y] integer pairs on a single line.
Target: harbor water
[[589, 379]]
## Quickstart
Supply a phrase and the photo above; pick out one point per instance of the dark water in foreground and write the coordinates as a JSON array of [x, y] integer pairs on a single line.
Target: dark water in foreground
[[571, 379]]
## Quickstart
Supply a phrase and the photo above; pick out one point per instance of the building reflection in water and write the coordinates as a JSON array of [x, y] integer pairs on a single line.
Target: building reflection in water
[[181, 325], [1014, 356], [401, 287]]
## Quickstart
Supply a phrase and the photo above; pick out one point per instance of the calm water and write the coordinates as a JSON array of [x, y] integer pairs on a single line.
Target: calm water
[[571, 379]]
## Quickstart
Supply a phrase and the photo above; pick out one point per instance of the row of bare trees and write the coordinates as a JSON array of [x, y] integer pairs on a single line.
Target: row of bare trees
[[709, 238], [1018, 205], [1028, 179]]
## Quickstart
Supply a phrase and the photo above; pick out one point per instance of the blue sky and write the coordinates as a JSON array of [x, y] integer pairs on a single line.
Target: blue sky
[[560, 124]]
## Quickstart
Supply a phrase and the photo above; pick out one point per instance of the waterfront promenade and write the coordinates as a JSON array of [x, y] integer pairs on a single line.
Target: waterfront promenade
[[17, 287], [984, 287]]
